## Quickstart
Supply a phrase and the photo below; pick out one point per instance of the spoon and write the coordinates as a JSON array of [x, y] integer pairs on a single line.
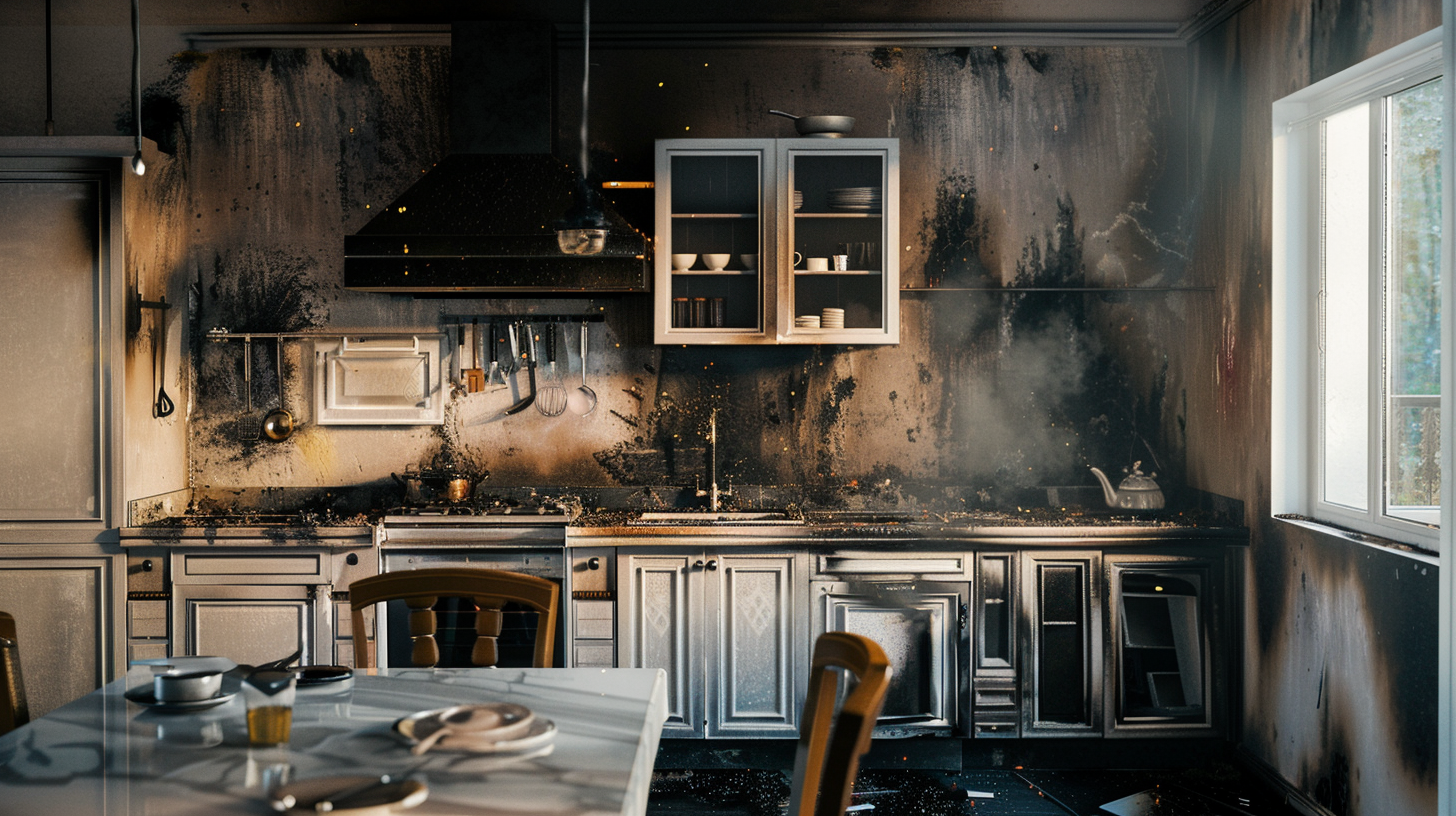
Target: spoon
[[504, 721], [583, 400], [278, 424]]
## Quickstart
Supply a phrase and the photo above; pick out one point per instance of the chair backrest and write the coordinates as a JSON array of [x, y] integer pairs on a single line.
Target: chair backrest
[[14, 711], [825, 764], [489, 589]]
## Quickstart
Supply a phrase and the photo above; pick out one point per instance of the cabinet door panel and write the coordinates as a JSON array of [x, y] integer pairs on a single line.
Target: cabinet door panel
[[50, 238], [660, 608], [754, 646], [918, 626], [249, 624], [64, 623], [1061, 606]]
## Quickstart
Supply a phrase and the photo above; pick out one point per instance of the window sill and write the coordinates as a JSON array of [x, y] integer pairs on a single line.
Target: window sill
[[1415, 551]]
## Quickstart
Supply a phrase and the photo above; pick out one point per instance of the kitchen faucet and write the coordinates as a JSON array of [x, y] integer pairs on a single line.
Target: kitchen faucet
[[715, 496]]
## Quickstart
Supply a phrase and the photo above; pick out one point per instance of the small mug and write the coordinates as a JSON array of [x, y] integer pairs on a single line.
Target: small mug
[[817, 264]]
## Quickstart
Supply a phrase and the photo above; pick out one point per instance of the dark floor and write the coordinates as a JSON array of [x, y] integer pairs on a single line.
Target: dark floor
[[1213, 789]]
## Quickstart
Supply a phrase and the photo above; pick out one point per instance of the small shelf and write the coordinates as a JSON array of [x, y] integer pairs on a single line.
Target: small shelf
[[808, 272], [1008, 290], [838, 214], [738, 272], [736, 216]]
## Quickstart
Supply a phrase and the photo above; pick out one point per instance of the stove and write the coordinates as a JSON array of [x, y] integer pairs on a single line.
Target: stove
[[466, 525]]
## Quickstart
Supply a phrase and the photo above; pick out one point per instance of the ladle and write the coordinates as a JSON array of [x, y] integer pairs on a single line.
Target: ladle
[[278, 424], [583, 400]]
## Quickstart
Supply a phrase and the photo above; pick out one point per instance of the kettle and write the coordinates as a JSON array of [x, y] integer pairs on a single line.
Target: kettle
[[1137, 492]]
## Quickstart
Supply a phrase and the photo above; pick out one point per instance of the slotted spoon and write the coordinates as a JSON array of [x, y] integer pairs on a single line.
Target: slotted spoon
[[552, 399]]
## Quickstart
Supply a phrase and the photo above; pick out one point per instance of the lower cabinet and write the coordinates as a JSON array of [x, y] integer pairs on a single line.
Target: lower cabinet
[[253, 607], [64, 599], [730, 630], [921, 626], [1060, 636]]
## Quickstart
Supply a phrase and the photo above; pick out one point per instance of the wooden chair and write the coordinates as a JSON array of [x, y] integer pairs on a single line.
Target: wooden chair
[[14, 711], [489, 589], [825, 763]]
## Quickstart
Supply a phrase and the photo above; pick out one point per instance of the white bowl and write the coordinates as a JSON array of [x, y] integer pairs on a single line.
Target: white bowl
[[716, 261], [681, 261], [186, 688]]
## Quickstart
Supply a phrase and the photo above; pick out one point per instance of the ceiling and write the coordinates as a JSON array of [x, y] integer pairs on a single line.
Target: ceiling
[[767, 13]]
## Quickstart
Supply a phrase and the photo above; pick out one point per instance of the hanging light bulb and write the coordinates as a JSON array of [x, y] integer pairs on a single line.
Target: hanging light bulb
[[583, 230]]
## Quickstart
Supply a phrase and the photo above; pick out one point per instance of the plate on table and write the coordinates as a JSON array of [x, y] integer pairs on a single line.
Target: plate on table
[[146, 696], [351, 795], [517, 729], [322, 675]]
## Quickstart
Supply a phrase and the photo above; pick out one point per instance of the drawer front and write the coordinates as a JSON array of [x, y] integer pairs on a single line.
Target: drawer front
[[301, 568]]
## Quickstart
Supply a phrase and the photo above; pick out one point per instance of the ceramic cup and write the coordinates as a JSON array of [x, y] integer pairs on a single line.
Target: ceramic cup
[[186, 688], [682, 261], [817, 264], [716, 261]]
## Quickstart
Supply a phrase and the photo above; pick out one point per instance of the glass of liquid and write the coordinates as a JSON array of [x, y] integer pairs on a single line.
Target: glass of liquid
[[269, 695]]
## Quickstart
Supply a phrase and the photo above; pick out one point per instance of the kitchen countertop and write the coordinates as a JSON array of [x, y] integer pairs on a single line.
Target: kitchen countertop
[[626, 528]]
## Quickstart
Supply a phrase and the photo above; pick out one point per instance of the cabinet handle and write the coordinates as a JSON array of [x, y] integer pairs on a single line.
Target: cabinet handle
[[698, 564], [965, 617], [713, 565], [147, 565], [594, 563]]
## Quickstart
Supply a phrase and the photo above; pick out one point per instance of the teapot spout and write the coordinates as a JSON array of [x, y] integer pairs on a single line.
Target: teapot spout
[[1107, 490]]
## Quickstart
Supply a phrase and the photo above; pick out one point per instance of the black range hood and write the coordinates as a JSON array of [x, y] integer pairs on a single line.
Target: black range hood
[[482, 221]]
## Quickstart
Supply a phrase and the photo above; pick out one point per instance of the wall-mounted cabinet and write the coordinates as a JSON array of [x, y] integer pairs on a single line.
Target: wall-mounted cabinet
[[764, 241]]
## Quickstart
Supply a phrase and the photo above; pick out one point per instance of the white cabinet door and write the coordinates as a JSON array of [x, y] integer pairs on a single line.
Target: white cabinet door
[[253, 624], [64, 619], [661, 607], [757, 646]]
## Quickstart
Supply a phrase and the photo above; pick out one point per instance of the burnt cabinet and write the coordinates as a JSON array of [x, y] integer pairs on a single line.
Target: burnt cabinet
[[1165, 666], [729, 630], [1061, 638], [763, 241], [921, 627], [253, 607]]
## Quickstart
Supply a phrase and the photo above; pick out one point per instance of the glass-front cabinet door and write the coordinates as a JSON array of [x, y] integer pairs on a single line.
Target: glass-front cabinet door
[[777, 241], [711, 231], [840, 224]]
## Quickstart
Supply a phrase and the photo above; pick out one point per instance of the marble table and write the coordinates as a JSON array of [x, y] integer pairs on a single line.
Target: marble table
[[104, 755]]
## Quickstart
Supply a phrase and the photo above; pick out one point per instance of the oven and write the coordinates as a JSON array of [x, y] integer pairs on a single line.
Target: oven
[[915, 605], [528, 542]]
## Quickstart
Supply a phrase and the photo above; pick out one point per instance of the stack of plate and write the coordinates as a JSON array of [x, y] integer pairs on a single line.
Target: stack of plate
[[860, 199], [798, 200], [832, 319], [807, 322]]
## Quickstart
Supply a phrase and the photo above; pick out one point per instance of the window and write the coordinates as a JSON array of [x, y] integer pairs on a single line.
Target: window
[[1357, 320]]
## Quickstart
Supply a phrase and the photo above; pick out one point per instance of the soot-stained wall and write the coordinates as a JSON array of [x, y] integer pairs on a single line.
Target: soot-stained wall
[[1040, 167], [1340, 637]]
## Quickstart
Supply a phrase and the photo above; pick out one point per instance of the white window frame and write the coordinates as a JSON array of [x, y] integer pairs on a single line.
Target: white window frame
[[1296, 489]]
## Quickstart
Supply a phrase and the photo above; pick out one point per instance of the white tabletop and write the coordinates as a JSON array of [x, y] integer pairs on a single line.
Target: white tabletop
[[104, 755]]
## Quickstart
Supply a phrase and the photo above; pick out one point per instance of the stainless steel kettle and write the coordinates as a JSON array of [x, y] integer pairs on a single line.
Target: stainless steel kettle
[[1137, 492]]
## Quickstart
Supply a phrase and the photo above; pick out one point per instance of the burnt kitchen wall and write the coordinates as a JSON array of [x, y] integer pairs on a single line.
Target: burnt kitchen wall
[[1059, 167], [1340, 637]]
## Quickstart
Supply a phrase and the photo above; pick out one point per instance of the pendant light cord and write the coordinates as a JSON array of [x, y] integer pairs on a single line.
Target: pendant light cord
[[585, 79], [50, 121], [137, 165]]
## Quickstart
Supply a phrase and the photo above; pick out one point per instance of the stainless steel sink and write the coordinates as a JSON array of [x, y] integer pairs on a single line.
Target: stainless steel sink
[[720, 517]]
